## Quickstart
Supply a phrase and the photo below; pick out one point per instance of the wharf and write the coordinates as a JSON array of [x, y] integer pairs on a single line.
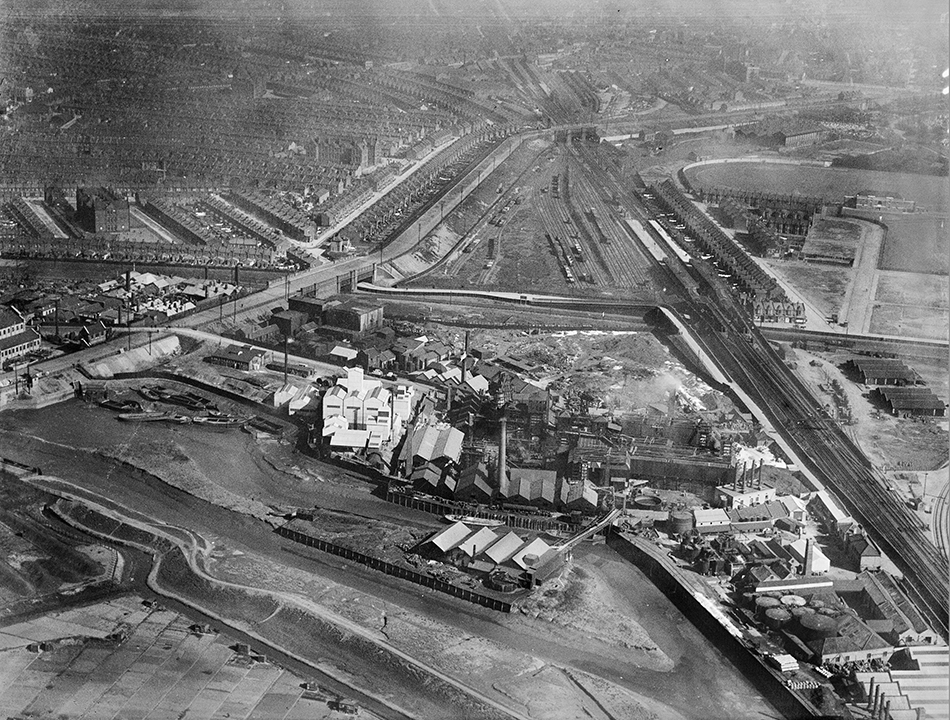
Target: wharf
[[700, 604]]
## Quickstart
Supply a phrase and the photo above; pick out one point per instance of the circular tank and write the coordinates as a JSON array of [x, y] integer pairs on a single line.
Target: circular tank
[[817, 626], [680, 522], [647, 502], [793, 601], [777, 617], [798, 612], [764, 604]]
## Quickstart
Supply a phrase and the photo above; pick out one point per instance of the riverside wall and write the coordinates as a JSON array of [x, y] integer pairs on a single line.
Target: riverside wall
[[676, 586]]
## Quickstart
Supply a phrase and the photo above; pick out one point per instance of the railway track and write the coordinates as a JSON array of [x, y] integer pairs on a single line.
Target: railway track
[[619, 251], [838, 464]]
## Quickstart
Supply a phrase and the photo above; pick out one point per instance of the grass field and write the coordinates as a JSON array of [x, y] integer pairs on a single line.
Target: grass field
[[911, 305], [916, 243], [832, 183]]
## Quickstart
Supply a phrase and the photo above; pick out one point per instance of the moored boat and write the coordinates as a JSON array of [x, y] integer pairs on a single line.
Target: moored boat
[[222, 421], [144, 416], [127, 406], [153, 393], [472, 520]]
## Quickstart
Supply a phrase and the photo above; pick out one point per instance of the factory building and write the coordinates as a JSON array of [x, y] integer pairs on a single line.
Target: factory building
[[911, 401], [882, 371], [239, 357], [747, 488], [358, 413], [102, 211], [15, 338]]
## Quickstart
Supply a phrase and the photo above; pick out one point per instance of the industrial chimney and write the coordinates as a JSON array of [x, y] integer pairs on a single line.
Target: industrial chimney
[[503, 457], [809, 557]]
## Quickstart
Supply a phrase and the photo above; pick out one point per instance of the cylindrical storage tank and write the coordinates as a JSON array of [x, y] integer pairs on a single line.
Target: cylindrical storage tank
[[798, 612], [815, 626], [777, 617], [817, 604], [680, 522], [791, 601], [763, 604], [647, 502]]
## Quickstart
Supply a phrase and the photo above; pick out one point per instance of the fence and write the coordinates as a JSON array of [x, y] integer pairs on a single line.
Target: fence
[[396, 570], [446, 507], [17, 468]]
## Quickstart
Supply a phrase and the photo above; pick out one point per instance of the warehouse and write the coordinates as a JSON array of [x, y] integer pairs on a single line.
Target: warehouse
[[882, 371], [907, 401]]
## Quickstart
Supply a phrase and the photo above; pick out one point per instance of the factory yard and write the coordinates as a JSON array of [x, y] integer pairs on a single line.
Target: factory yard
[[627, 645], [128, 658], [888, 441]]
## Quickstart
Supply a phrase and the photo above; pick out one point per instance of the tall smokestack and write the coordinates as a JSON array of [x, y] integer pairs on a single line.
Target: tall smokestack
[[503, 457], [759, 476], [809, 557]]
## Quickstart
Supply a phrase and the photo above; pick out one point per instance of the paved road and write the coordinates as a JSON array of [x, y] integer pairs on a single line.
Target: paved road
[[858, 303]]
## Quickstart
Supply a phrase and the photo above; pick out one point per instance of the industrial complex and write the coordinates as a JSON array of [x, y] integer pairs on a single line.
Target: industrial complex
[[510, 360]]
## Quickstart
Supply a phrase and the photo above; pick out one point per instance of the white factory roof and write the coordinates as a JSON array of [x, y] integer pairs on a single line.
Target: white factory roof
[[792, 503], [820, 560], [839, 515], [432, 442], [502, 550], [478, 383], [451, 536], [535, 547], [477, 543], [713, 516], [344, 352], [350, 438]]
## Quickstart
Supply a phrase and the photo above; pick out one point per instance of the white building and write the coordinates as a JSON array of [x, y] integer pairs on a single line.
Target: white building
[[358, 412], [819, 562]]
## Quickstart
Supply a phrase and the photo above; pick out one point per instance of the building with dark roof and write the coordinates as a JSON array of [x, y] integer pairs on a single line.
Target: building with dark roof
[[102, 211], [16, 339], [883, 371], [238, 357], [905, 401]]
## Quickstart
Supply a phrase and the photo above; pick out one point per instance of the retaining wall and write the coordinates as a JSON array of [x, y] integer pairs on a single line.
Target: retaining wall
[[666, 577]]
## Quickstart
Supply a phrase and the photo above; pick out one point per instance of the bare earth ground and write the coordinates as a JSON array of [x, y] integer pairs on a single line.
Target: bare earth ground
[[911, 305], [450, 635], [823, 285], [886, 440]]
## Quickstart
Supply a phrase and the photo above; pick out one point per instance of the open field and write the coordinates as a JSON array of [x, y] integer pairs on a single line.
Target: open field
[[823, 285], [159, 669], [911, 305], [916, 243], [832, 183]]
